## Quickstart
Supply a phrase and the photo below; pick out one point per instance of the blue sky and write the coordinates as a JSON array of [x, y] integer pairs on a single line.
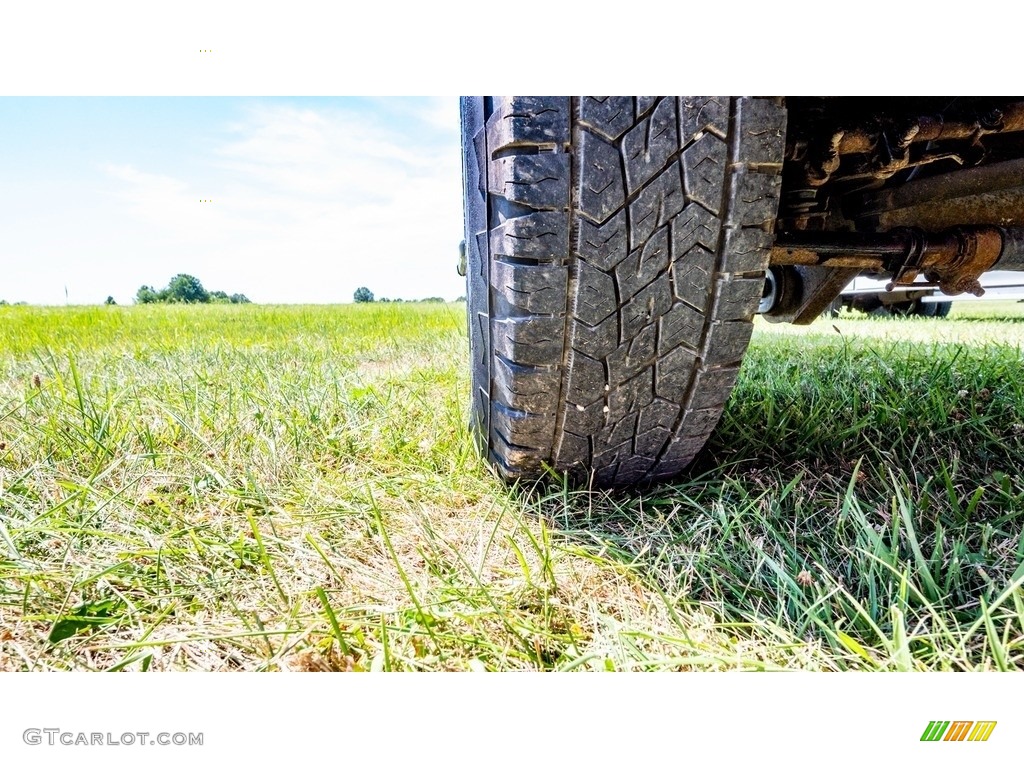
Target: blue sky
[[311, 197]]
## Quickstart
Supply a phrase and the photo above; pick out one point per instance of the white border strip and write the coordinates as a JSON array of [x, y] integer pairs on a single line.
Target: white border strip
[[512, 719]]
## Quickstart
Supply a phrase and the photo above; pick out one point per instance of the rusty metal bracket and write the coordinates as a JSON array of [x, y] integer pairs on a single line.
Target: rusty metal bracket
[[952, 261], [906, 268], [969, 253]]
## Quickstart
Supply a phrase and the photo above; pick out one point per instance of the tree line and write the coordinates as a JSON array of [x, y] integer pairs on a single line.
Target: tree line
[[186, 289], [364, 295]]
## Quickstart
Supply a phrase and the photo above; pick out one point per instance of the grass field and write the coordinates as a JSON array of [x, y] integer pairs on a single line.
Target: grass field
[[265, 488]]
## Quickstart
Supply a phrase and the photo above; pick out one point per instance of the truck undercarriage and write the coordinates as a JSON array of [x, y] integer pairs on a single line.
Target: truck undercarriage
[[901, 188]]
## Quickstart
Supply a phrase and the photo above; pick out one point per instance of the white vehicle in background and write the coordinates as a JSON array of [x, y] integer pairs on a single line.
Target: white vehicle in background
[[869, 294]]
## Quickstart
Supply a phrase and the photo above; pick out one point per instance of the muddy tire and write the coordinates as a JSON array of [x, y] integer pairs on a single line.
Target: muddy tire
[[616, 250]]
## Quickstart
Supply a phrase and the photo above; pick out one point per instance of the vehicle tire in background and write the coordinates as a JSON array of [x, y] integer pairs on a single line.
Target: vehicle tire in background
[[919, 308], [616, 249], [902, 308], [934, 308]]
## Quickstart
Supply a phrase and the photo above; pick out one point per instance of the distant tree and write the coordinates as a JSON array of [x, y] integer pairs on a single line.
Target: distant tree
[[433, 300], [110, 301], [146, 295], [219, 297], [3, 302], [461, 298], [362, 295], [187, 289], [239, 298]]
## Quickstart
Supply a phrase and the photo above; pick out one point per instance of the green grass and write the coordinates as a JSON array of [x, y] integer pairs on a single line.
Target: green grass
[[244, 487]]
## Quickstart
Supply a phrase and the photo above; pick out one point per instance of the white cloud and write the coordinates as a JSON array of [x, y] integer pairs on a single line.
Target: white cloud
[[308, 204]]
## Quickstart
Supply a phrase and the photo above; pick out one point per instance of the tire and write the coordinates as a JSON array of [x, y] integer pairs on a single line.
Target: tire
[[919, 308], [937, 308], [903, 308], [616, 255], [833, 310]]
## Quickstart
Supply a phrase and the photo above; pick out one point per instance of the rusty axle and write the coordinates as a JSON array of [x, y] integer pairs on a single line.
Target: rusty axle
[[953, 260]]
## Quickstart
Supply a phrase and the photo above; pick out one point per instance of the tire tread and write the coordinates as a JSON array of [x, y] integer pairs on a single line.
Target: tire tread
[[621, 241]]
